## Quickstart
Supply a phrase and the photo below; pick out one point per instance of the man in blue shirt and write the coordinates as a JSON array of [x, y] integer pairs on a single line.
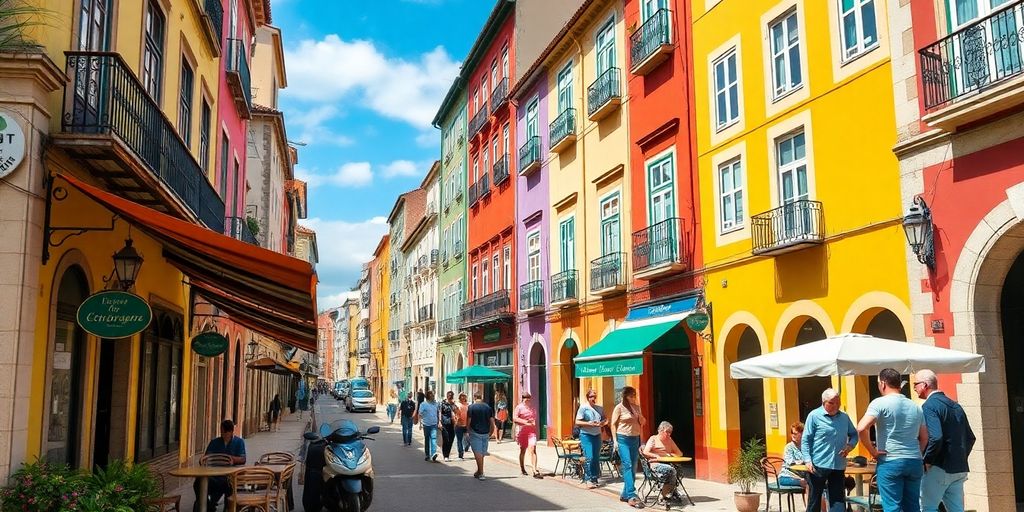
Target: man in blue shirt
[[950, 441], [829, 435], [901, 437], [430, 415], [227, 444]]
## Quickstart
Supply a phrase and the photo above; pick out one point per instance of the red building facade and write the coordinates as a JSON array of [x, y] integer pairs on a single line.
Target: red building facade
[[489, 312]]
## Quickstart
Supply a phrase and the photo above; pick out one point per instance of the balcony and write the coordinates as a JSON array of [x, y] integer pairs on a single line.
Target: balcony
[[565, 290], [426, 313], [213, 23], [480, 189], [434, 257], [478, 121], [604, 95], [471, 195], [788, 228], [111, 125], [975, 72], [486, 310], [529, 156], [500, 170], [422, 263], [239, 79], [658, 250], [393, 335], [562, 131], [458, 250], [238, 228], [531, 297], [447, 327], [499, 95], [608, 274], [651, 44]]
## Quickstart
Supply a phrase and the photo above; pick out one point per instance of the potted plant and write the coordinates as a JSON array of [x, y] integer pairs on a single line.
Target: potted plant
[[745, 471]]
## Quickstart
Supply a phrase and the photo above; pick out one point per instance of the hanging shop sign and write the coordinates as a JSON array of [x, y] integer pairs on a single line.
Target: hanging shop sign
[[114, 314], [698, 321], [685, 305], [209, 344], [12, 144], [492, 335]]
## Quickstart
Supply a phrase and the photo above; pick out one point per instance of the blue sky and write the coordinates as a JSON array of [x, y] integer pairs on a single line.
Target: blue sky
[[365, 79]]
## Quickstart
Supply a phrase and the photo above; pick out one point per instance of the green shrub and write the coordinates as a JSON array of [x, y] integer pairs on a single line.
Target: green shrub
[[745, 469], [120, 487], [44, 487]]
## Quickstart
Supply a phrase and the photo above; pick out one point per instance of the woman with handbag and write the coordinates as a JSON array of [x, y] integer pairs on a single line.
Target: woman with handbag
[[500, 414]]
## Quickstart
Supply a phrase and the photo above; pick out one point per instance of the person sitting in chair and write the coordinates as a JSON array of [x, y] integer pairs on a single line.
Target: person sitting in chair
[[231, 445], [662, 445]]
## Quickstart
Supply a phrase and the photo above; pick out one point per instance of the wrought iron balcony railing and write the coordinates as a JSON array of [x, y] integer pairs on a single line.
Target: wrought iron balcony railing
[[480, 189], [500, 170], [485, 310], [788, 227], [477, 122], [652, 39], [500, 94], [604, 94], [608, 273], [659, 246], [104, 97], [435, 255], [238, 228], [529, 156], [565, 287], [215, 12], [562, 131], [238, 75], [421, 263], [447, 326], [426, 313], [472, 194], [531, 297], [980, 55]]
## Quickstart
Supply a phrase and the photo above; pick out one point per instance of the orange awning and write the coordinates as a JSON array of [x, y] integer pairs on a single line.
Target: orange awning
[[269, 364], [263, 290]]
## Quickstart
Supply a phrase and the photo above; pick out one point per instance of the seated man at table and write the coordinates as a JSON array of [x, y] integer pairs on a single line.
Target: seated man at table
[[228, 444], [662, 445]]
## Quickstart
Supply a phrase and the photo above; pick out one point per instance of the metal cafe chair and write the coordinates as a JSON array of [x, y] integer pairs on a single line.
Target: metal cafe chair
[[770, 468]]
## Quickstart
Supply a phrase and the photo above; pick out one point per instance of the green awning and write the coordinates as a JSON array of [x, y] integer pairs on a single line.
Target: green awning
[[621, 352], [476, 374]]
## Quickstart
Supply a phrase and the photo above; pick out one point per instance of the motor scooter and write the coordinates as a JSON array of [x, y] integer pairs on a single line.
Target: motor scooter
[[339, 469]]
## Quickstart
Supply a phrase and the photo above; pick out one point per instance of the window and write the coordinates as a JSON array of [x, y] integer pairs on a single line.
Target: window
[[859, 32], [660, 174], [494, 149], [496, 271], [476, 171], [567, 243], [610, 225], [93, 24], [204, 136], [225, 160], [531, 119], [483, 171], [785, 47], [507, 256], [730, 188], [504, 62], [494, 73], [606, 48], [565, 88], [476, 100], [153, 55], [727, 90], [649, 7], [229, 203], [185, 105], [505, 139], [160, 372], [533, 256], [483, 91], [791, 154], [484, 274]]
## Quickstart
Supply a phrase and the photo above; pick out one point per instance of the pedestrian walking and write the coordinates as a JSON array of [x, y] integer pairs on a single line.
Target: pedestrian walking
[[590, 418], [392, 406], [420, 396], [429, 415], [274, 412], [828, 437], [481, 423], [448, 412], [661, 445], [461, 425], [901, 438], [500, 413], [525, 419], [628, 420], [408, 412], [950, 441]]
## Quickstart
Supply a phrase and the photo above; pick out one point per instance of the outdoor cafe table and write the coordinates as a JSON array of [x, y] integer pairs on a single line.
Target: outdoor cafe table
[[675, 461], [857, 472], [204, 473]]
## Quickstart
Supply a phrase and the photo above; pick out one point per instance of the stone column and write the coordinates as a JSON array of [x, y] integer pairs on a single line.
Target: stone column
[[29, 81]]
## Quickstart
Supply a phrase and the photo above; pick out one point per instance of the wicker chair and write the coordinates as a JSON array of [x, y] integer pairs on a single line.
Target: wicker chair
[[215, 459], [770, 468], [162, 503], [281, 491], [253, 489], [276, 458]]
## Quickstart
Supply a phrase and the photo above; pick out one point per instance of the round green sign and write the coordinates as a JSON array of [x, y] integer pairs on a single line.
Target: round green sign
[[209, 344], [697, 321], [114, 314]]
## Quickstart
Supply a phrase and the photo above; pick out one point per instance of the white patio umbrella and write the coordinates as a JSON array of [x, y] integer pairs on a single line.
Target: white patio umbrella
[[855, 354]]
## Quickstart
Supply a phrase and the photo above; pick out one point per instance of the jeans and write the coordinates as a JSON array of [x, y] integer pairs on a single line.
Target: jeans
[[460, 441], [832, 481], [406, 430], [629, 453], [591, 444], [899, 484], [216, 487], [391, 412], [939, 486], [447, 438], [429, 440]]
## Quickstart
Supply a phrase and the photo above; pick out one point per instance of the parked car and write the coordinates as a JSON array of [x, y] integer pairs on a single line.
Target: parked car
[[342, 388], [359, 383], [361, 400]]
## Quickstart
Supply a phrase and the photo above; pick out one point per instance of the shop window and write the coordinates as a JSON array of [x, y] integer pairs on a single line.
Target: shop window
[[160, 386]]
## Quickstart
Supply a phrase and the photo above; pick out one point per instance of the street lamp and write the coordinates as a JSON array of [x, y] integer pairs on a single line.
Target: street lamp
[[127, 263], [252, 349], [917, 223]]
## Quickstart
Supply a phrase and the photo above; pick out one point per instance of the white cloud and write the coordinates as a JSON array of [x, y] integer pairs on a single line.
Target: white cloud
[[401, 168], [332, 69], [311, 125], [428, 139], [344, 247], [349, 175]]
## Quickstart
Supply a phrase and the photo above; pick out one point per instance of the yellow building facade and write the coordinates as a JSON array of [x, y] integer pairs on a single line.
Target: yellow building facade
[[380, 283], [800, 206]]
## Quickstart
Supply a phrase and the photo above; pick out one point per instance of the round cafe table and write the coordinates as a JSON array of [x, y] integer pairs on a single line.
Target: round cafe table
[[857, 472], [203, 473], [675, 462]]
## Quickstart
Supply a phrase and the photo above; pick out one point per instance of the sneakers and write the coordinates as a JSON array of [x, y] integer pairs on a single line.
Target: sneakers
[[433, 458], [480, 477], [426, 459], [446, 459]]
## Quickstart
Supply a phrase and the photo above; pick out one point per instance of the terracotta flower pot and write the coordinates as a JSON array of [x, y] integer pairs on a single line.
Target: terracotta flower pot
[[747, 502]]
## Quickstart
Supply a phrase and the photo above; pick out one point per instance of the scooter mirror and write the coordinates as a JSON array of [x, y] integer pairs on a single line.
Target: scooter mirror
[[310, 436], [373, 430]]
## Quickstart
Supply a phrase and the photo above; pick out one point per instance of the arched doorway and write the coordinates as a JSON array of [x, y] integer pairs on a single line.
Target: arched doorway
[[539, 387], [238, 380], [750, 392], [886, 325], [809, 388], [442, 379], [64, 427], [1012, 320], [568, 384]]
